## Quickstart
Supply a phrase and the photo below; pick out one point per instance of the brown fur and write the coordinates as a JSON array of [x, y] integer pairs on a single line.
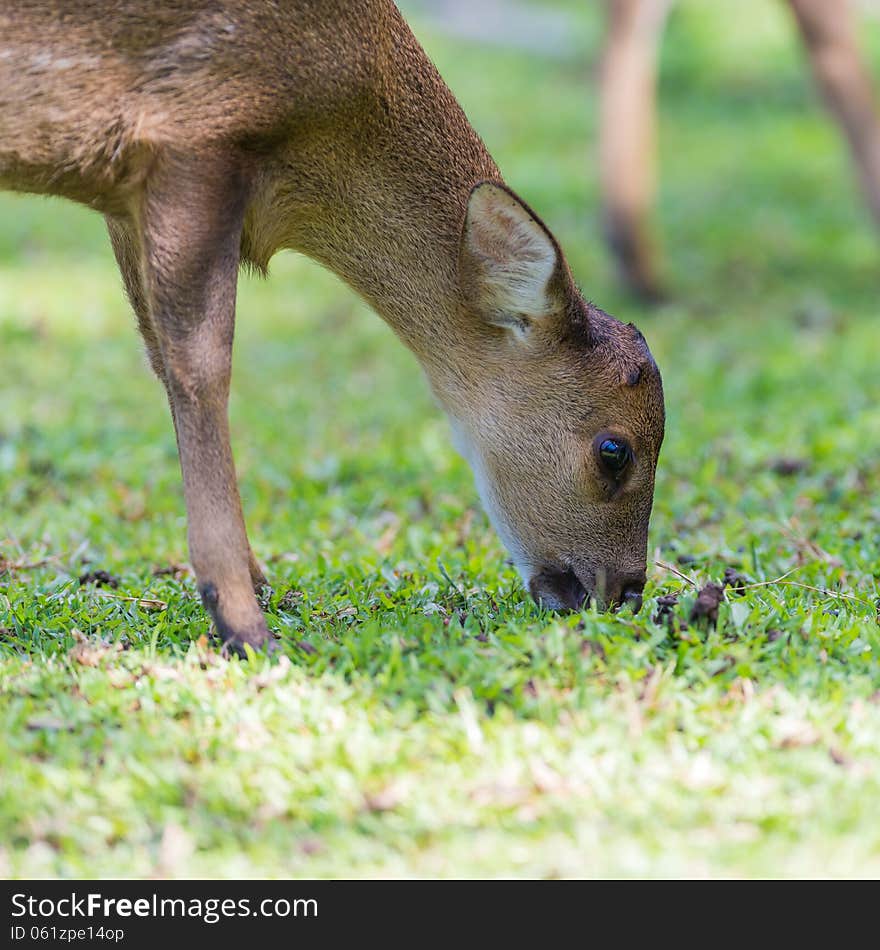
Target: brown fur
[[628, 106], [215, 133]]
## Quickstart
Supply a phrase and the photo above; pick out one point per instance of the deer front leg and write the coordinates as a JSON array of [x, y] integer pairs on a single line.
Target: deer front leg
[[627, 137], [829, 34], [190, 230], [126, 247]]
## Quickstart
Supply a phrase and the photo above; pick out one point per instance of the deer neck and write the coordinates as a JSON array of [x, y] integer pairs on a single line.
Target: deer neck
[[377, 192]]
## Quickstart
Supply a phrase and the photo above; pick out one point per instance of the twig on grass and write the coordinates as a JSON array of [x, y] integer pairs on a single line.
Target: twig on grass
[[778, 581], [146, 602], [821, 590], [677, 572], [10, 567]]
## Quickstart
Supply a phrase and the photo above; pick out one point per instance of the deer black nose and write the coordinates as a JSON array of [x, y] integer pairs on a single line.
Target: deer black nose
[[557, 590], [619, 588]]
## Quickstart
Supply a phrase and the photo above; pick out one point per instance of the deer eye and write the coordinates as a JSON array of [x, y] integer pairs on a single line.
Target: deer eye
[[614, 454]]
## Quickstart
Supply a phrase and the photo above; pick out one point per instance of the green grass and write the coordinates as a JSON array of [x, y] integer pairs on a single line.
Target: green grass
[[440, 724]]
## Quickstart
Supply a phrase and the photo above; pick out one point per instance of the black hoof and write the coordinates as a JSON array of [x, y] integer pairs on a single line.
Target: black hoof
[[235, 640], [236, 646]]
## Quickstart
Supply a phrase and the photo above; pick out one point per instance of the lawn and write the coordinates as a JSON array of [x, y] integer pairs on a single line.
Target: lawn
[[424, 718]]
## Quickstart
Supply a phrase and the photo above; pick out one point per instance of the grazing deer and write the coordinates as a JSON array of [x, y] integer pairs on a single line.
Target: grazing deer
[[215, 133], [628, 104]]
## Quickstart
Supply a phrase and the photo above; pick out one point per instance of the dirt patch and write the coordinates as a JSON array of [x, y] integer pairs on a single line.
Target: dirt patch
[[735, 580], [705, 609], [177, 571], [99, 579], [788, 466], [666, 610]]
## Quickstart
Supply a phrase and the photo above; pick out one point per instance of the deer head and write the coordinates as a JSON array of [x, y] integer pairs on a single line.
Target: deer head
[[561, 413]]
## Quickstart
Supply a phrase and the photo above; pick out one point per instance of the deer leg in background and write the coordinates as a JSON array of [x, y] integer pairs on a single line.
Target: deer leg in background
[[627, 135], [829, 32], [126, 247], [190, 232]]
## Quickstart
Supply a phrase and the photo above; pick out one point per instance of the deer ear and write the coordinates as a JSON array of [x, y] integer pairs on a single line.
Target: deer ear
[[510, 266]]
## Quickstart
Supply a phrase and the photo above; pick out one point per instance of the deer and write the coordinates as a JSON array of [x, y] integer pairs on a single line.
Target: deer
[[627, 122], [211, 134]]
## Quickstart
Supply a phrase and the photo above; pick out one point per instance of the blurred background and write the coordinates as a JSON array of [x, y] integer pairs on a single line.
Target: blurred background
[[742, 136]]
